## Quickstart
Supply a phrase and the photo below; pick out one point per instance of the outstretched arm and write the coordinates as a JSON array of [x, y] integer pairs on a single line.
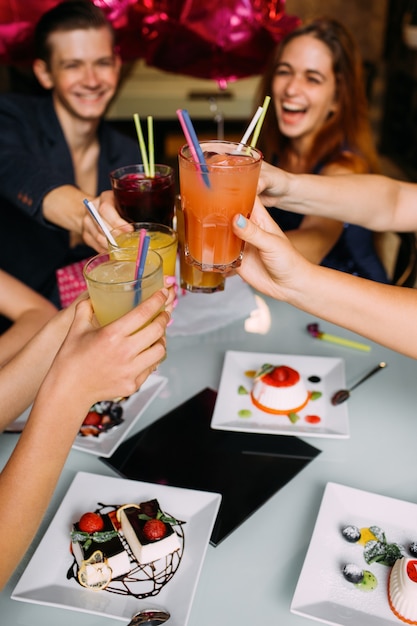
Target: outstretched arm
[[21, 377], [373, 201], [92, 364], [28, 311], [274, 267]]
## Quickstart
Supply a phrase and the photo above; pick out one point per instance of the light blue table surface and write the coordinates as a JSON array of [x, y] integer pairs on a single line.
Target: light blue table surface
[[250, 578]]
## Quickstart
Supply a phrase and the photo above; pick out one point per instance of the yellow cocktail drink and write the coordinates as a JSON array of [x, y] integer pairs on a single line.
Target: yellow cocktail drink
[[211, 194], [112, 286], [163, 240]]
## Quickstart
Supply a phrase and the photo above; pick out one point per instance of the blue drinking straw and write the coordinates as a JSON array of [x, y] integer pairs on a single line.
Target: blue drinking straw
[[193, 143], [140, 263]]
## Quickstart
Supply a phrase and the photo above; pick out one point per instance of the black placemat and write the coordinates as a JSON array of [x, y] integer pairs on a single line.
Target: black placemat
[[182, 450]]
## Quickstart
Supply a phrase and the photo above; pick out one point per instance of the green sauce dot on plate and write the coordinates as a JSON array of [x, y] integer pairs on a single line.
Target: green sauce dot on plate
[[315, 395], [245, 413], [368, 583]]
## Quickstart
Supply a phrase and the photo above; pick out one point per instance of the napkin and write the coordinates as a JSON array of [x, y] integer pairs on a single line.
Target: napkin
[[198, 313]]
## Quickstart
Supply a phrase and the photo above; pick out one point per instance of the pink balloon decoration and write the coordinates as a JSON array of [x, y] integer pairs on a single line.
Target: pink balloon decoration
[[216, 39]]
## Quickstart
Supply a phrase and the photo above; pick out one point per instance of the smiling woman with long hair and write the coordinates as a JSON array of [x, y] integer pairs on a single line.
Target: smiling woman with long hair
[[318, 123]]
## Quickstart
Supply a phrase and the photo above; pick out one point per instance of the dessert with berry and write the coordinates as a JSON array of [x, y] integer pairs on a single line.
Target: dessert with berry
[[136, 559], [148, 531], [93, 533], [101, 417], [402, 590], [279, 390]]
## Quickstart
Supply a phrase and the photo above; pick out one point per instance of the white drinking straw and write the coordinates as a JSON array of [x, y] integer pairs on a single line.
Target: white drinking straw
[[249, 129], [96, 215]]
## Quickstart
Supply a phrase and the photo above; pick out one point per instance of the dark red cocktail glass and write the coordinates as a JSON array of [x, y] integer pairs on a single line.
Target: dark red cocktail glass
[[139, 198]]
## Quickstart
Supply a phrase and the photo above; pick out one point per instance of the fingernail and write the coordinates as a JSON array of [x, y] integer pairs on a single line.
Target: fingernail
[[241, 221], [170, 280]]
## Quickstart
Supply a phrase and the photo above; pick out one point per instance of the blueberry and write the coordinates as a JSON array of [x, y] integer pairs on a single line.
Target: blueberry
[[353, 573], [351, 533], [116, 413]]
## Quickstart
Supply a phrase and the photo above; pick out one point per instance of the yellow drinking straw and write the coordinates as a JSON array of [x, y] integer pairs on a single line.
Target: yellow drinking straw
[[151, 147], [260, 121], [141, 144], [314, 330]]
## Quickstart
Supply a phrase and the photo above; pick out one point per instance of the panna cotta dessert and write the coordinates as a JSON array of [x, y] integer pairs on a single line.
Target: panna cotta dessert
[[279, 390], [148, 531], [402, 590]]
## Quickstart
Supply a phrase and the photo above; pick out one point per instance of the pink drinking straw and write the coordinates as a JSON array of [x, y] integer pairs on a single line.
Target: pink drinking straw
[[193, 143]]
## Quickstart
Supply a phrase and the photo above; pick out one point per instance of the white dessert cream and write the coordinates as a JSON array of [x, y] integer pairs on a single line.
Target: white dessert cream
[[402, 590], [279, 390]]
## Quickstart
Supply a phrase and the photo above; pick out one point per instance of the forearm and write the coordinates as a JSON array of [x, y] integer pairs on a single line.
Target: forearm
[[315, 240], [21, 377], [363, 199], [274, 267], [18, 335], [30, 477], [63, 206], [74, 382], [375, 202], [365, 307]]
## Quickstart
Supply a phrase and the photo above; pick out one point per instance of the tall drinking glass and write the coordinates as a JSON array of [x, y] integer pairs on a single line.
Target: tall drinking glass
[[211, 194], [113, 288], [139, 198], [191, 278]]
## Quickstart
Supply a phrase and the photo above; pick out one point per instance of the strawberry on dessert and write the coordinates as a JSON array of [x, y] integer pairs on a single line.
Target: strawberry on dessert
[[154, 529], [92, 419], [91, 523]]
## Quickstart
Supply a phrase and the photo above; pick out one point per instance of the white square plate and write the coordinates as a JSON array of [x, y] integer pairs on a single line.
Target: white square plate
[[44, 581], [230, 404], [322, 593], [107, 442]]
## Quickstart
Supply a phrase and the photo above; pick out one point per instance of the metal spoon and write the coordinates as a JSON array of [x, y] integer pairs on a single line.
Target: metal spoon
[[343, 394], [150, 617]]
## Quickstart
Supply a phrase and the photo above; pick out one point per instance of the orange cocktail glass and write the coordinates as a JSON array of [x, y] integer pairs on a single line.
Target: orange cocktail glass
[[211, 194]]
